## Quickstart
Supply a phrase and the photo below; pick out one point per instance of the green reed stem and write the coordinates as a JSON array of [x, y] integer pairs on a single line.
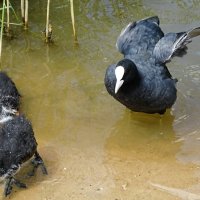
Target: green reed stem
[[14, 13]]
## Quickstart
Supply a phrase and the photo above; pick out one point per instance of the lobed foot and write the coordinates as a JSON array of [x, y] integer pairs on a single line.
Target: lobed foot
[[36, 162], [9, 185]]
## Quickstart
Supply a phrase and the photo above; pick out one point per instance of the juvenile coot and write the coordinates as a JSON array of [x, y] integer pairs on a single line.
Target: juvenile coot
[[17, 145], [9, 98], [141, 81]]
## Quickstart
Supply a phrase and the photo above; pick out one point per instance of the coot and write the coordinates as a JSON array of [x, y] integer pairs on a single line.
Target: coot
[[141, 80], [17, 145]]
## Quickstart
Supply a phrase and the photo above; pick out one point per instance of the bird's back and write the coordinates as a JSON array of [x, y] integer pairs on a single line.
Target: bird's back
[[17, 142]]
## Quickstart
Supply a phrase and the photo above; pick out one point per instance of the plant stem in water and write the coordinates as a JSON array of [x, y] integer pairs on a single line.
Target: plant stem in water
[[1, 33], [48, 29], [22, 11], [26, 15], [8, 15], [73, 19]]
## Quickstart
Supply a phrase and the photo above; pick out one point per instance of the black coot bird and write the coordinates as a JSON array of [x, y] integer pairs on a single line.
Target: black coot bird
[[17, 141], [17, 145], [9, 98], [141, 81]]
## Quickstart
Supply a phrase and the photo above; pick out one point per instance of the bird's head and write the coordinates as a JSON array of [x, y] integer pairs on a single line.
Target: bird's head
[[125, 72]]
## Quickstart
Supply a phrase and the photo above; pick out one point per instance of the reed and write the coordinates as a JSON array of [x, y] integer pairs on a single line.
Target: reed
[[10, 6], [7, 27], [73, 20], [23, 11], [26, 15], [1, 33], [48, 29], [8, 23], [8, 16]]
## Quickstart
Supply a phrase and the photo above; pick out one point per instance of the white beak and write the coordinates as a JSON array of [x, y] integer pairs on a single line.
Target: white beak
[[119, 73], [118, 85]]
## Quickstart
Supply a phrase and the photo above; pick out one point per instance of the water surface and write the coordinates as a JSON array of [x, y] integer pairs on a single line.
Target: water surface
[[94, 147]]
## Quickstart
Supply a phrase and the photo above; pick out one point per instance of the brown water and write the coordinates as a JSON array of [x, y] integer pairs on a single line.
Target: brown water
[[93, 147]]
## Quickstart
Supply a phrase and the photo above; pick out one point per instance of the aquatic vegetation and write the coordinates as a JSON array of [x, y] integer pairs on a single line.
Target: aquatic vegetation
[[48, 29], [1, 33], [73, 20]]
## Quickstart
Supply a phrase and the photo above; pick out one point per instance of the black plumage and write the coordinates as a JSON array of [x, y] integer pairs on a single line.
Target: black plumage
[[17, 141], [17, 145], [9, 97], [141, 81]]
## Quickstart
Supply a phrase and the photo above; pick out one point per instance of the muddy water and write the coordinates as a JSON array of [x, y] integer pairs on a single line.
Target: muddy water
[[95, 148]]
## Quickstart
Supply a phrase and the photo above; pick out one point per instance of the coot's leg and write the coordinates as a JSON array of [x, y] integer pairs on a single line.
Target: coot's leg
[[36, 162], [10, 180], [8, 186], [19, 184]]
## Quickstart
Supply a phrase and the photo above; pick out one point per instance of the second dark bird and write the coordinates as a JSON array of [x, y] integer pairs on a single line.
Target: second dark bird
[[17, 141]]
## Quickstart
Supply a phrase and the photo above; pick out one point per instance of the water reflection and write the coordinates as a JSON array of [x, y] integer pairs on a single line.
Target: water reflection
[[138, 126], [186, 110], [140, 150]]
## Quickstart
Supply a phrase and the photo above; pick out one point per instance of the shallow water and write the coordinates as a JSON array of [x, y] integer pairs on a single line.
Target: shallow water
[[95, 148]]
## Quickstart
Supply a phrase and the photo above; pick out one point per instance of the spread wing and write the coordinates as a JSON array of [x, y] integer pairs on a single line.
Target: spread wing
[[139, 37], [174, 44]]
